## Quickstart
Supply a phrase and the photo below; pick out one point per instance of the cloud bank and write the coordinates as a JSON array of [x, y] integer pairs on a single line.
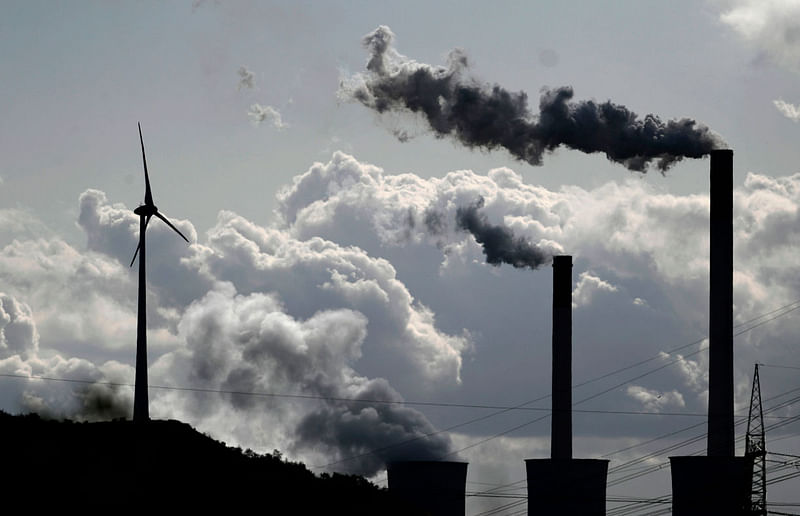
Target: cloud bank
[[218, 321], [639, 242], [771, 26], [367, 286]]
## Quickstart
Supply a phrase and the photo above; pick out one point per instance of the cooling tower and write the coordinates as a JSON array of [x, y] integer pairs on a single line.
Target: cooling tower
[[711, 485], [436, 488]]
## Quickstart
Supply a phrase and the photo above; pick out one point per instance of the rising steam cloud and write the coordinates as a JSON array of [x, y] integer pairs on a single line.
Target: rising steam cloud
[[249, 344], [489, 116], [365, 438], [499, 243]]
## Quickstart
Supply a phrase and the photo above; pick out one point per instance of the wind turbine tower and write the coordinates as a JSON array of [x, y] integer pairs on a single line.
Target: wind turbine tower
[[141, 407]]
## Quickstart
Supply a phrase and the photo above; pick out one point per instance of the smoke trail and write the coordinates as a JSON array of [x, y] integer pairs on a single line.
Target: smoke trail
[[499, 243], [368, 437], [246, 79], [103, 402], [259, 114], [313, 357], [480, 115]]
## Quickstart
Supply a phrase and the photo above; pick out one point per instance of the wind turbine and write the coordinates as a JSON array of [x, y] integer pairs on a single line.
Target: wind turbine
[[141, 407]]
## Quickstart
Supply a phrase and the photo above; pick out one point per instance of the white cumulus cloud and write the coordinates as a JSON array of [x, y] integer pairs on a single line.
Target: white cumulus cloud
[[588, 287], [772, 26], [788, 110], [655, 400], [260, 114]]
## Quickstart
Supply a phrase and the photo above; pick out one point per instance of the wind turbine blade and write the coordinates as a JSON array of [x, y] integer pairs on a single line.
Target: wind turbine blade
[[134, 254], [160, 216], [148, 196], [146, 222]]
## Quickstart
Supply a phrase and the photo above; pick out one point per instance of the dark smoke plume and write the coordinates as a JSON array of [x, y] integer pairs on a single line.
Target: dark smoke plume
[[366, 437], [499, 243], [104, 402], [311, 357], [485, 116]]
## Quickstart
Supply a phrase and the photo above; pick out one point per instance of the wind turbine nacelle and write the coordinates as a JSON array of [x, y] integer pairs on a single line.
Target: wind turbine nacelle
[[145, 210]]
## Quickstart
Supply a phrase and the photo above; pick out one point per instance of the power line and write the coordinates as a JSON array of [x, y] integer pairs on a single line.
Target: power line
[[794, 306], [664, 436], [633, 505], [784, 454], [527, 423], [796, 302], [779, 366], [766, 320], [783, 311], [691, 440], [353, 400], [684, 443], [631, 508], [501, 508]]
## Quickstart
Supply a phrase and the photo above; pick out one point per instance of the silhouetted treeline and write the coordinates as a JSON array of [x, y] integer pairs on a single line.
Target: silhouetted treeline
[[165, 465]]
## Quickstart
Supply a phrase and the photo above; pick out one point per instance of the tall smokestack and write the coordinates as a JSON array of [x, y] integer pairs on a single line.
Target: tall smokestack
[[561, 429], [561, 484], [720, 367], [719, 483]]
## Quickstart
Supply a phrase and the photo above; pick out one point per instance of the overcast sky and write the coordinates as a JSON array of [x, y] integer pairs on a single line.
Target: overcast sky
[[327, 258]]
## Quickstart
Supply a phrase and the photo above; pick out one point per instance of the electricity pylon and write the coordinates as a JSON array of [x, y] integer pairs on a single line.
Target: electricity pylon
[[755, 447]]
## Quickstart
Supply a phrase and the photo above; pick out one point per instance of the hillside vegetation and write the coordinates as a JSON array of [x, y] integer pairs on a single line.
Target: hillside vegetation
[[166, 465]]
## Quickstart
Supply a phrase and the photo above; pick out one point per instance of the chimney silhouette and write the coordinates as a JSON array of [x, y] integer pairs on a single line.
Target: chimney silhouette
[[720, 332], [435, 488], [720, 482], [561, 428], [561, 484]]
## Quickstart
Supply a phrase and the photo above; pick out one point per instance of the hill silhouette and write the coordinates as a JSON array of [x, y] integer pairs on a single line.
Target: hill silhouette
[[165, 465]]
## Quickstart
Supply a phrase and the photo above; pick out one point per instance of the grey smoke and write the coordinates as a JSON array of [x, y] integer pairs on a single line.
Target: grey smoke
[[366, 437], [104, 402], [402, 135], [249, 344], [489, 116], [434, 222], [246, 78], [259, 114], [500, 245]]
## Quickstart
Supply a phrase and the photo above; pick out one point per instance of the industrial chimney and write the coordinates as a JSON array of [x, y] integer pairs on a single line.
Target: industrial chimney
[[561, 484], [436, 488], [561, 428], [720, 324], [720, 482]]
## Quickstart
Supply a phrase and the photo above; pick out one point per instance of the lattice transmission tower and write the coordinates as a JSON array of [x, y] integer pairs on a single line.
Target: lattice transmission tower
[[755, 448]]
